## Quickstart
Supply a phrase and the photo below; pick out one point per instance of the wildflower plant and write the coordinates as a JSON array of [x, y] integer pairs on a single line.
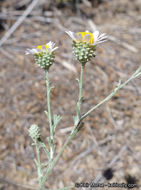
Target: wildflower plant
[[84, 44], [84, 48], [43, 54]]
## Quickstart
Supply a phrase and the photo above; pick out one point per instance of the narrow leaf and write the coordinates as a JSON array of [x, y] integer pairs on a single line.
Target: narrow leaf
[[46, 113]]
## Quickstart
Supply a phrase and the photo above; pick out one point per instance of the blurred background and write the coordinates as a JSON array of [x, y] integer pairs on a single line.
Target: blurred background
[[108, 148]]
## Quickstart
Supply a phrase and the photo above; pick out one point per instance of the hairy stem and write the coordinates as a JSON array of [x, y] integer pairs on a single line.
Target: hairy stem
[[57, 157], [39, 167], [80, 92], [48, 104], [50, 117]]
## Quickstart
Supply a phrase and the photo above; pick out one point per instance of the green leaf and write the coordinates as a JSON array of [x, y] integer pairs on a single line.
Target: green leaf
[[75, 118], [137, 72], [77, 80], [33, 144], [47, 152], [46, 113], [49, 141], [36, 162], [119, 83], [56, 120], [42, 145], [117, 87]]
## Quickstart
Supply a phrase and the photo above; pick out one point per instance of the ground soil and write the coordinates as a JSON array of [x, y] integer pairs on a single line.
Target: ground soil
[[112, 130]]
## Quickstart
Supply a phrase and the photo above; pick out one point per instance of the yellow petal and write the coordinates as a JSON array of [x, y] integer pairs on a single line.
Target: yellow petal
[[47, 46], [39, 47], [83, 34]]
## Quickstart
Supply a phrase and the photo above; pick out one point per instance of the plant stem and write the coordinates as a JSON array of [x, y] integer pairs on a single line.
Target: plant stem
[[85, 115], [72, 134], [58, 156], [136, 74], [52, 164], [50, 117], [80, 92], [48, 103], [39, 167]]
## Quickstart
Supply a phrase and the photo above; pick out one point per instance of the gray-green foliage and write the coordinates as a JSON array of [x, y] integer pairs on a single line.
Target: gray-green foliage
[[83, 51]]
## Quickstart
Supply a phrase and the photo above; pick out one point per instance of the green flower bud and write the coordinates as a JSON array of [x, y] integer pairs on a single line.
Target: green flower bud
[[83, 51], [43, 54], [44, 59], [84, 44], [34, 132]]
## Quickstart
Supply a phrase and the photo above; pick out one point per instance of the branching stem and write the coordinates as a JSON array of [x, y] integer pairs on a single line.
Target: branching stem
[[72, 134], [76, 127]]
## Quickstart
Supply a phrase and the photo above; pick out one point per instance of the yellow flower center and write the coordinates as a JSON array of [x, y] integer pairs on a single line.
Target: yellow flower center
[[85, 37], [40, 47]]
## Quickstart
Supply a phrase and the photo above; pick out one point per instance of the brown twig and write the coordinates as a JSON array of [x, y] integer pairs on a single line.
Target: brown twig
[[18, 22]]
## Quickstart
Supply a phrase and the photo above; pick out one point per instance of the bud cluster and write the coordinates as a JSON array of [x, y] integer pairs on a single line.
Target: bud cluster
[[83, 51], [34, 132], [44, 59]]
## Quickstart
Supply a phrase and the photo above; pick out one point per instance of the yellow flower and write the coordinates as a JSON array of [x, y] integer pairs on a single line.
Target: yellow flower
[[85, 37], [84, 44], [49, 47], [91, 38], [41, 47], [43, 54]]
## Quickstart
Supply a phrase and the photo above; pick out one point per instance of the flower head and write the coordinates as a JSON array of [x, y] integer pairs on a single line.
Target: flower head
[[43, 54], [84, 44], [34, 132], [91, 38]]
